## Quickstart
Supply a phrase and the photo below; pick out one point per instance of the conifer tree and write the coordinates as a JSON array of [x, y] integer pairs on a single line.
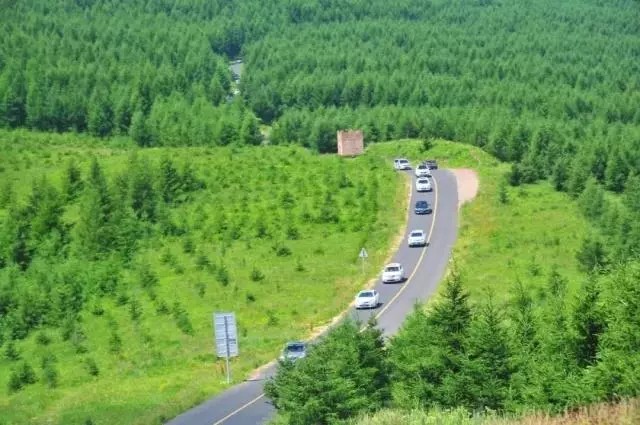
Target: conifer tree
[[488, 368], [616, 173], [588, 323], [72, 183], [343, 375], [591, 200]]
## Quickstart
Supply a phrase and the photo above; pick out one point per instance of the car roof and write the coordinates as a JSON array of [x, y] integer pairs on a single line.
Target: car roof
[[393, 265], [422, 202], [366, 291], [423, 179], [417, 230], [295, 343]]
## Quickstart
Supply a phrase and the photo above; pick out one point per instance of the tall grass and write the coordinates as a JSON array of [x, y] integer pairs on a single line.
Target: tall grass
[[626, 412]]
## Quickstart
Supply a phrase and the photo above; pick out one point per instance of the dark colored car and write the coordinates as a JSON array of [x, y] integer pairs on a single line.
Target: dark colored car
[[431, 163], [422, 207]]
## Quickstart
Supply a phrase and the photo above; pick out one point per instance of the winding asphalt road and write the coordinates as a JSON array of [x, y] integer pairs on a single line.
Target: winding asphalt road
[[245, 403]]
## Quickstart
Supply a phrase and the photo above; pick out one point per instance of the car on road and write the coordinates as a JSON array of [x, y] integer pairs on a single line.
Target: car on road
[[401, 164], [423, 170], [422, 207], [423, 185], [431, 163], [294, 350], [368, 298], [417, 238], [392, 273]]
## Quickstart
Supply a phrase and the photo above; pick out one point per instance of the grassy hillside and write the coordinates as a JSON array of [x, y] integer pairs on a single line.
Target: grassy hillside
[[624, 413], [271, 233]]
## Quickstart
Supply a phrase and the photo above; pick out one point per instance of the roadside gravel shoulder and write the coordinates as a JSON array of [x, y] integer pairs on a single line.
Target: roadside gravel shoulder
[[468, 184]]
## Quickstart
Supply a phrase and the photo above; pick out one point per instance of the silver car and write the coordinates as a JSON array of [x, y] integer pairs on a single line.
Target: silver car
[[417, 238], [293, 351], [401, 164]]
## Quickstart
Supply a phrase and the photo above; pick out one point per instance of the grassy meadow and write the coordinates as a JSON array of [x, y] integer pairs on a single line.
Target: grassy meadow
[[273, 236]]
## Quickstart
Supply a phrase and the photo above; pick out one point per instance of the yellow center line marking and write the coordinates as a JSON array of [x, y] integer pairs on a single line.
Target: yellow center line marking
[[424, 250], [387, 305], [239, 409]]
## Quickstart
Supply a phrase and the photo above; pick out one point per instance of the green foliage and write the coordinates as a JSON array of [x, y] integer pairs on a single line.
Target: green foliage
[[592, 200], [115, 345], [589, 324], [11, 352], [91, 366], [181, 317], [344, 374], [256, 275], [24, 375], [592, 255], [429, 353]]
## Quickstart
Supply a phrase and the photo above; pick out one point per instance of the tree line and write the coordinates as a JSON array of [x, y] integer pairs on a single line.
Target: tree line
[[545, 354]]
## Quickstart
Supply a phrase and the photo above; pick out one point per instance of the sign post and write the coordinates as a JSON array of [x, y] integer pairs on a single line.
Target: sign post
[[363, 254], [226, 337]]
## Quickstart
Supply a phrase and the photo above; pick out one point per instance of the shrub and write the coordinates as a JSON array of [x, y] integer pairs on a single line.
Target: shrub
[[97, 309], [250, 297], [202, 262], [148, 279], [222, 275], [115, 342], [50, 375], [282, 250], [15, 384], [503, 195], [201, 288], [293, 233], [11, 353], [91, 366], [427, 144], [135, 309], [257, 275], [181, 317], [162, 308], [272, 319]]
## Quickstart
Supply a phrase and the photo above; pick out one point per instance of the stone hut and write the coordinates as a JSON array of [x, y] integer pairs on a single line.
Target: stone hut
[[350, 142]]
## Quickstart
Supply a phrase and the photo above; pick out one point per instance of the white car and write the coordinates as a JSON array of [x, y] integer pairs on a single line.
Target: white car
[[417, 238], [423, 185], [367, 299], [401, 164], [423, 170], [393, 273]]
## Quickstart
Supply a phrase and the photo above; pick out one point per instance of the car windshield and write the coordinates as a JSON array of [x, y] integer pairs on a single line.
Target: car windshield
[[366, 294], [423, 181], [421, 167], [403, 161], [393, 269], [295, 348], [416, 234]]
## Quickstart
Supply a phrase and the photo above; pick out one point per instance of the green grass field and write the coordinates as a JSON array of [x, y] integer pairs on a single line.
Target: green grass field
[[289, 272]]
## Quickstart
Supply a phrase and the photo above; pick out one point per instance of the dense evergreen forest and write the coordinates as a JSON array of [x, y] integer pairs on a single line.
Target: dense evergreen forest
[[553, 87]]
